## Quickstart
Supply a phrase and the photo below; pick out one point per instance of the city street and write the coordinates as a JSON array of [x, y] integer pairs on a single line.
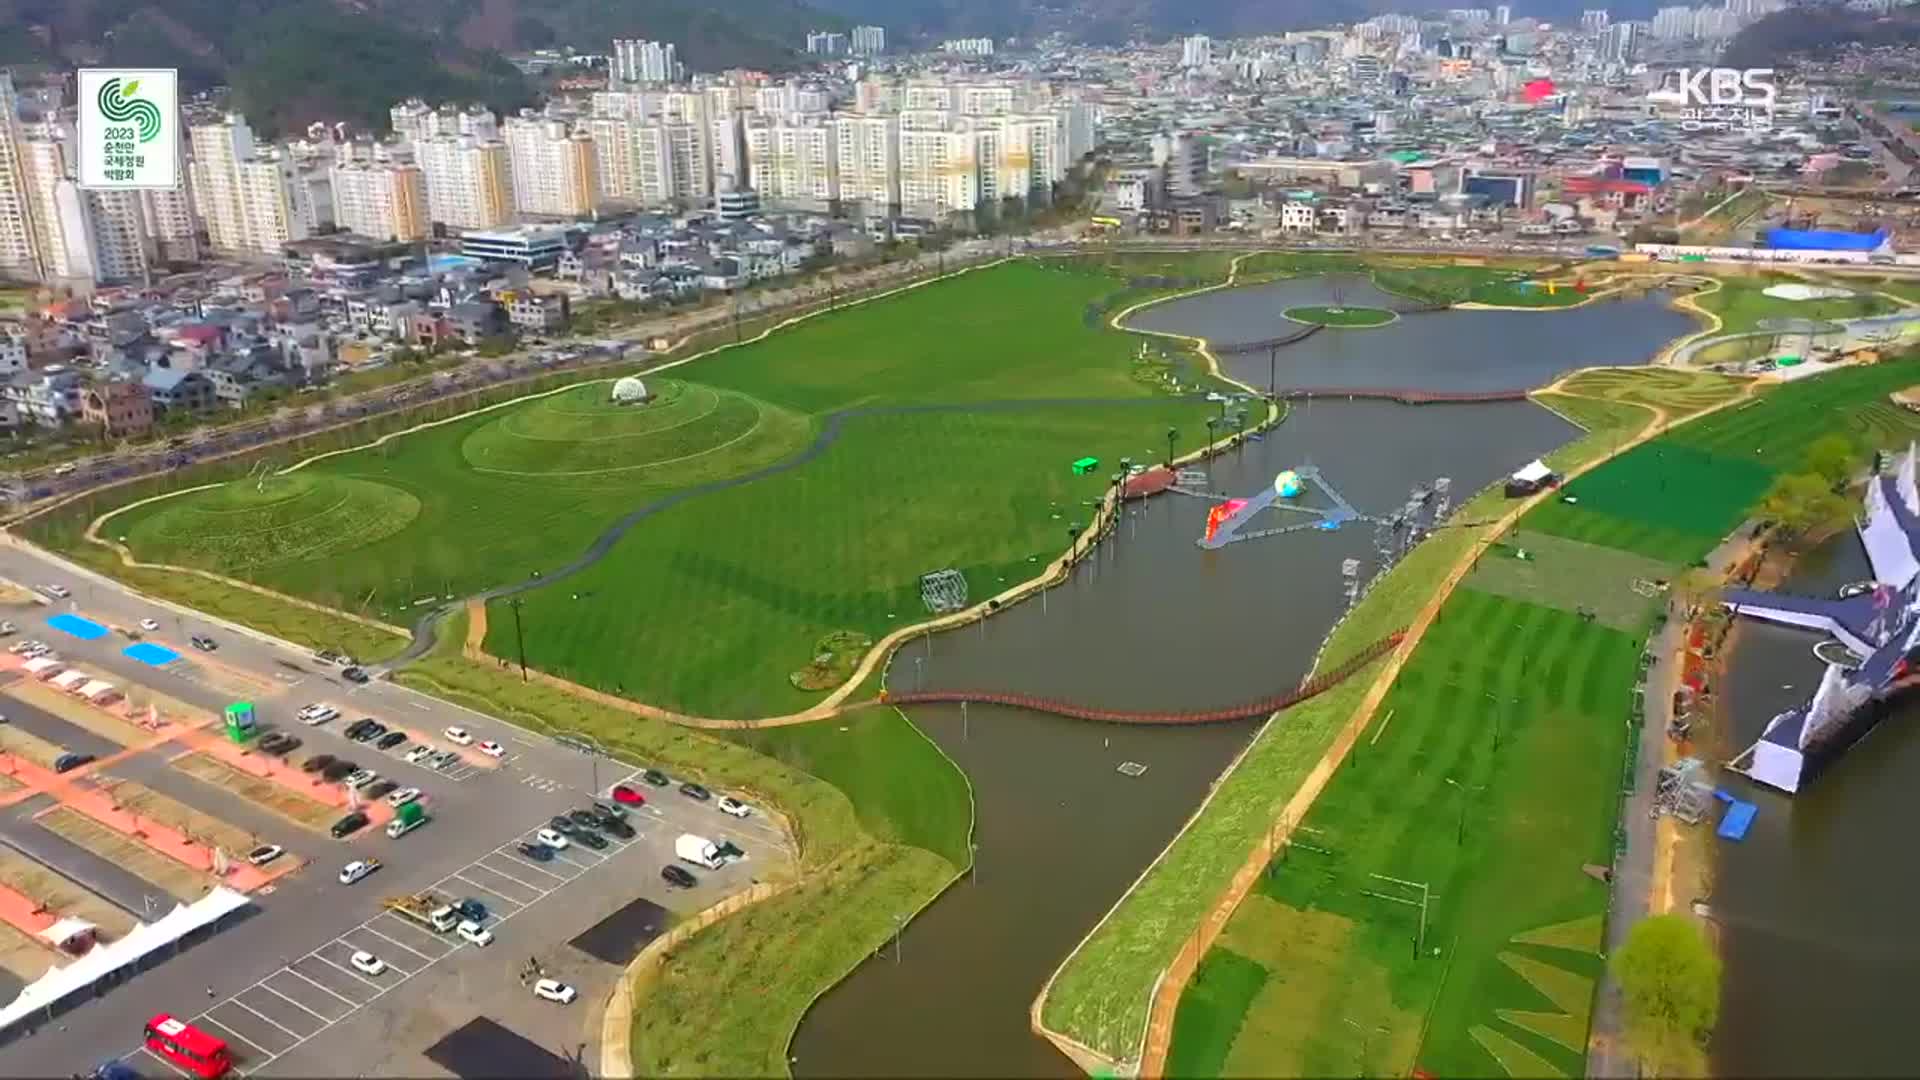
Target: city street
[[271, 983]]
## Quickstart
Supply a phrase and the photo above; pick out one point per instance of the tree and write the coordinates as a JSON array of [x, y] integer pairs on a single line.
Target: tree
[[1670, 982], [1835, 458], [1800, 503]]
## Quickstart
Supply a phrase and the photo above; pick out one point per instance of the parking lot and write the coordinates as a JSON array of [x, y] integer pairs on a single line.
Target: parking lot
[[278, 985]]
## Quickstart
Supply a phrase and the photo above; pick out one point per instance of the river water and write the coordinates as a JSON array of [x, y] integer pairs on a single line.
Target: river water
[[1153, 621], [1814, 909]]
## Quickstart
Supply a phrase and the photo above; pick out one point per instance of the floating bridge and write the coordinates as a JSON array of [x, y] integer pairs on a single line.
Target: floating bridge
[[1266, 706]]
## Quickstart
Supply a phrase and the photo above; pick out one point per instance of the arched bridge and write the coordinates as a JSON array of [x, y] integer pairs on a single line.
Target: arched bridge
[[1266, 706], [1406, 395]]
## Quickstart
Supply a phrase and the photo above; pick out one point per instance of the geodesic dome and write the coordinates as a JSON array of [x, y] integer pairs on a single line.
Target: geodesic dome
[[629, 390]]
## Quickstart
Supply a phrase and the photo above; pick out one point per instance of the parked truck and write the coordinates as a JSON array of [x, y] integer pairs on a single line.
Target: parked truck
[[427, 909], [409, 817], [699, 851]]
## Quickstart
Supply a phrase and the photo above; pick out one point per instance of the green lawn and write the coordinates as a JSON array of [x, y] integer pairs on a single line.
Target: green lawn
[[711, 604], [1223, 989], [1507, 728], [1741, 303], [904, 788], [1340, 317]]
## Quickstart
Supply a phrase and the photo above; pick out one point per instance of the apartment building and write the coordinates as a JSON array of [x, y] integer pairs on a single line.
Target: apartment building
[[19, 251], [468, 179], [124, 249], [794, 161], [867, 151], [382, 200], [555, 169], [939, 171]]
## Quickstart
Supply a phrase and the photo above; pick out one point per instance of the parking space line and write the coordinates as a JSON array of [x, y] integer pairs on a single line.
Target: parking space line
[[522, 862], [291, 1034], [262, 984], [351, 1004], [207, 1018], [584, 867], [494, 893], [344, 971], [396, 944]]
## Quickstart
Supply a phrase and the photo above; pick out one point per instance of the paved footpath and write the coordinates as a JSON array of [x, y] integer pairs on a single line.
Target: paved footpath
[[1634, 871]]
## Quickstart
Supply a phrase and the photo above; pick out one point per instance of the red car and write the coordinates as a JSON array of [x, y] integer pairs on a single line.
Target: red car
[[624, 794]]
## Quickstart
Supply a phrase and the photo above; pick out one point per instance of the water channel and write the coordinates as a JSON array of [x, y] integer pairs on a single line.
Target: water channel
[[1153, 621], [1814, 910]]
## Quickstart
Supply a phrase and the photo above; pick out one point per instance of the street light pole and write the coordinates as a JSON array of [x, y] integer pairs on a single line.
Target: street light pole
[[519, 637]]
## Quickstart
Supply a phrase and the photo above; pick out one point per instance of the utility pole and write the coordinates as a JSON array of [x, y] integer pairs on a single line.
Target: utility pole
[[519, 637], [1272, 351]]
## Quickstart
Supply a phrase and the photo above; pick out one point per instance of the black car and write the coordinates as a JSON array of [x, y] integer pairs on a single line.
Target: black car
[[471, 909], [349, 825], [584, 817], [316, 763], [355, 675], [203, 643], [70, 761], [694, 791], [380, 789], [678, 876], [563, 825], [391, 739], [590, 838], [606, 811], [729, 850], [372, 731], [353, 730], [656, 778], [616, 827], [339, 770], [279, 745], [537, 852]]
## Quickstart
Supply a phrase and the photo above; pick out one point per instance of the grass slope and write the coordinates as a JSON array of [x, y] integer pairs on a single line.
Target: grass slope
[[1350, 317], [1742, 303], [1508, 727]]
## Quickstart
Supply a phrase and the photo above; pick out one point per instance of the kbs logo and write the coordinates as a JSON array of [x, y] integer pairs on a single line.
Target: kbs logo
[[1720, 98]]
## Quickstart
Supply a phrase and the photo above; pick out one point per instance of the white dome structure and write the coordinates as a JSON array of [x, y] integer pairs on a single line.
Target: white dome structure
[[629, 391]]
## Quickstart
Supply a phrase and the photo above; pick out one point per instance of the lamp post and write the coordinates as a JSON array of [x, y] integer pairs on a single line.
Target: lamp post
[[1173, 436]]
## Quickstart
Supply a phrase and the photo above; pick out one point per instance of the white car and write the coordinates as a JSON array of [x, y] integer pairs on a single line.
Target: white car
[[471, 931], [357, 869], [402, 797], [362, 778], [552, 839], [458, 736], [149, 624], [555, 990], [419, 754], [366, 963], [730, 805], [492, 749], [265, 854], [317, 714]]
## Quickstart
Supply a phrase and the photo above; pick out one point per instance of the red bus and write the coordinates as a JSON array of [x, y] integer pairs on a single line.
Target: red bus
[[188, 1047]]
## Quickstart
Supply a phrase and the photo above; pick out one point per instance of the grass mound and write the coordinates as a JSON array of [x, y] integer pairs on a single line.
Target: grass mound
[[1347, 317], [581, 433], [834, 657], [247, 524]]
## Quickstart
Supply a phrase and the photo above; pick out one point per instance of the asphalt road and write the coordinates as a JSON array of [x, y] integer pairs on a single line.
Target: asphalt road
[[308, 914]]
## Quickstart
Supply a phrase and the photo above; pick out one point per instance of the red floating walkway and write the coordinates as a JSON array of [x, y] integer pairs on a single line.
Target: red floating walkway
[[1266, 706]]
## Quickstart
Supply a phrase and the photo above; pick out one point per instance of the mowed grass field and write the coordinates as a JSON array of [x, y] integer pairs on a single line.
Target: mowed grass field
[[1676, 497], [1490, 775], [1741, 302], [709, 604]]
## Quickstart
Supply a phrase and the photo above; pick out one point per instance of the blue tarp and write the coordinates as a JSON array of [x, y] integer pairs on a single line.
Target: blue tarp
[[1738, 818], [85, 629], [148, 653], [1826, 240]]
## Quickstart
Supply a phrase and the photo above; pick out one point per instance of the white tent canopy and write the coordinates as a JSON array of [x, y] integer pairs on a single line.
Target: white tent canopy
[[1533, 472], [98, 690], [69, 680], [60, 982], [43, 667]]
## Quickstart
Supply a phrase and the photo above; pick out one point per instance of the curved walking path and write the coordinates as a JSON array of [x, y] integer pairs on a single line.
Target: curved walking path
[[1166, 999]]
